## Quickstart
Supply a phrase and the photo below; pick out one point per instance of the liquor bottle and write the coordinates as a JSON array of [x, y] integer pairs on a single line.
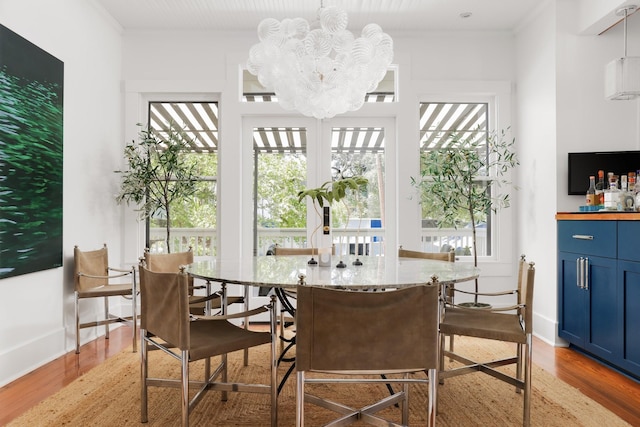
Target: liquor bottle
[[636, 190], [600, 188], [625, 202], [591, 192], [612, 194]]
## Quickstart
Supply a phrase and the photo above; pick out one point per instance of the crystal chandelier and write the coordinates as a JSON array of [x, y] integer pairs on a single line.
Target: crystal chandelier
[[320, 69]]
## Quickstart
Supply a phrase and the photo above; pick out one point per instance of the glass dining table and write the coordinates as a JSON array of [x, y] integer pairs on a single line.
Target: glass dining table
[[285, 272], [374, 272]]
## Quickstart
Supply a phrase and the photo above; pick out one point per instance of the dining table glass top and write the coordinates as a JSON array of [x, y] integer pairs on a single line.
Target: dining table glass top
[[289, 271]]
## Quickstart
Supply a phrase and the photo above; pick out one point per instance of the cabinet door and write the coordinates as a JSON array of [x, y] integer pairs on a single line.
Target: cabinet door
[[629, 312], [603, 334], [572, 313]]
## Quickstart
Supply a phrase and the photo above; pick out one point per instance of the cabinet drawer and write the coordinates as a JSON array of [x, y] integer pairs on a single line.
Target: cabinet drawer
[[629, 240], [588, 237]]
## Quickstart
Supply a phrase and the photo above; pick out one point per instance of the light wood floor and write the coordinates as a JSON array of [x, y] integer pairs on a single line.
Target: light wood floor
[[614, 391]]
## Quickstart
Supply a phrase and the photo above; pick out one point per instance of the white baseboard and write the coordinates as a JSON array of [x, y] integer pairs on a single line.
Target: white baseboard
[[547, 330], [30, 355]]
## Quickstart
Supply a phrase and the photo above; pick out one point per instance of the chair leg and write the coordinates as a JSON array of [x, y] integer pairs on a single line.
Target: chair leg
[[527, 382], [433, 397], [441, 356], [519, 355], [246, 322], [300, 399], [77, 304], [134, 315], [185, 388], [223, 376], [106, 316], [274, 363], [405, 402], [144, 373]]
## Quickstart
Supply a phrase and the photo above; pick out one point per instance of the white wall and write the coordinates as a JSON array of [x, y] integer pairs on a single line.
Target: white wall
[[36, 314], [537, 175], [586, 120]]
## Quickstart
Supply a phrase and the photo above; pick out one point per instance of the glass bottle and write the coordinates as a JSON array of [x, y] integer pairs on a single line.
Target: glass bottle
[[611, 195], [636, 190], [632, 182], [591, 192], [624, 193], [600, 188]]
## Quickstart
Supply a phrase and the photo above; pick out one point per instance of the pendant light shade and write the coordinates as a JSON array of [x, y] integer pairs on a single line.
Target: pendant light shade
[[622, 75]]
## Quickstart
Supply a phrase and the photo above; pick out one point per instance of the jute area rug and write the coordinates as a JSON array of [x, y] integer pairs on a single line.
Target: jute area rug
[[109, 395]]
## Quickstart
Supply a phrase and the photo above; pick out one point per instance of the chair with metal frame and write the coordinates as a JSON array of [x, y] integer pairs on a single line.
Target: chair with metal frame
[[94, 278], [166, 324], [449, 256], [286, 297], [370, 346], [512, 324], [198, 304]]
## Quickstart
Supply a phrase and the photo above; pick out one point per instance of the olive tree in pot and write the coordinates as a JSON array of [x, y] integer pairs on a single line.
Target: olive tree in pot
[[466, 180], [328, 193], [158, 174]]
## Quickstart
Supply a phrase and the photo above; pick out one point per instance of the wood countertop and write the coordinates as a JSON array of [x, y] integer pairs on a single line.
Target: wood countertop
[[599, 216]]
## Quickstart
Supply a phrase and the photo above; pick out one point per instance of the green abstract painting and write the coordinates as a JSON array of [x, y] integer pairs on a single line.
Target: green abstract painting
[[31, 94]]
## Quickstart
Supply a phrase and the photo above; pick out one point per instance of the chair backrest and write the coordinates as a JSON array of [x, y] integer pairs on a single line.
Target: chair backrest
[[167, 263], [367, 331], [440, 256], [526, 288], [94, 263], [164, 306], [299, 251]]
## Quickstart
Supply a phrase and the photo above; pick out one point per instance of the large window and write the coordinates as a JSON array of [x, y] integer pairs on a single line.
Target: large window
[[193, 222], [449, 125]]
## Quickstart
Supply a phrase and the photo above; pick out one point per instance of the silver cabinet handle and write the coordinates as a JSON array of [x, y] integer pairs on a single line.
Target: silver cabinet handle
[[582, 237], [586, 274], [579, 272]]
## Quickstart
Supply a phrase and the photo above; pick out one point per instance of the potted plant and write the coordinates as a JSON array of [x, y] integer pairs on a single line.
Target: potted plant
[[467, 176], [328, 193], [158, 174]]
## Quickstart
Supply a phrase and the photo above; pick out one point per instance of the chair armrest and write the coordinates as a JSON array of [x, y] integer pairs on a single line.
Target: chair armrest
[[493, 309], [240, 315], [488, 294], [110, 276], [120, 270], [204, 298]]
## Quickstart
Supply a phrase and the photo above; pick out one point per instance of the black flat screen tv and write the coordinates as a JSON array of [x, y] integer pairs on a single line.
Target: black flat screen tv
[[582, 165]]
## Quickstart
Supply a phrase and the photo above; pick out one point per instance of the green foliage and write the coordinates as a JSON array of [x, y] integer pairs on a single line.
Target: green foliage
[[333, 191], [158, 173], [280, 175], [467, 178], [464, 178]]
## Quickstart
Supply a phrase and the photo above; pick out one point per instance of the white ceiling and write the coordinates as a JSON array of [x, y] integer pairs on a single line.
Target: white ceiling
[[391, 15]]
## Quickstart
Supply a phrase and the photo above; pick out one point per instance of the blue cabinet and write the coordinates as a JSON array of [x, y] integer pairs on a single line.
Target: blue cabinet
[[599, 289]]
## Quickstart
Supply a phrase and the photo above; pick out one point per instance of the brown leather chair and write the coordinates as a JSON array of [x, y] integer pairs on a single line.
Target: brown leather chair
[[94, 278], [198, 304], [512, 324], [167, 324], [449, 256], [370, 345]]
